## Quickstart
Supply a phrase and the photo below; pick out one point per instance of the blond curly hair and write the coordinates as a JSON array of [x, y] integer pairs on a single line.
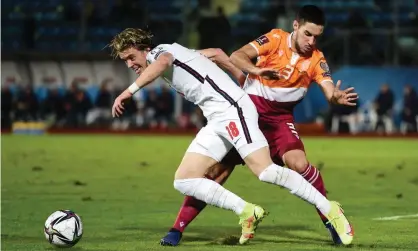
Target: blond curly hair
[[128, 38]]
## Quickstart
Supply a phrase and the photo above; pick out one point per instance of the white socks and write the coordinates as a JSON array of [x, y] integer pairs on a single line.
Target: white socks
[[214, 194], [297, 185], [210, 192]]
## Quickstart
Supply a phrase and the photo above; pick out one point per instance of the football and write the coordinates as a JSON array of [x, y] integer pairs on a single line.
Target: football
[[63, 228]]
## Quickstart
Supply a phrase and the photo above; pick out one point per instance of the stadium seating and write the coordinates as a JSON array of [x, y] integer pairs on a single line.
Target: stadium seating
[[57, 23], [57, 27], [88, 75], [11, 73]]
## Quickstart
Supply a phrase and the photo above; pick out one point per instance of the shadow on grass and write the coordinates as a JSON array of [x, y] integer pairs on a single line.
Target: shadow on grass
[[281, 234]]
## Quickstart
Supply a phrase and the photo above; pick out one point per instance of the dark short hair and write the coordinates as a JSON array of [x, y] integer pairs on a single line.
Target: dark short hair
[[311, 14]]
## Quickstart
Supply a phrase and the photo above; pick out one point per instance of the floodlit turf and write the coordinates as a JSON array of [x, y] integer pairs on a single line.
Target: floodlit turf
[[121, 186]]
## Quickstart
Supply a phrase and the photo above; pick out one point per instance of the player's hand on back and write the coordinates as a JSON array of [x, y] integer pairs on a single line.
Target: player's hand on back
[[345, 97], [218, 56], [267, 73]]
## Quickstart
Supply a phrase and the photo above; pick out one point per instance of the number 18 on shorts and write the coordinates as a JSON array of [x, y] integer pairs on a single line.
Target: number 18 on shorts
[[236, 127]]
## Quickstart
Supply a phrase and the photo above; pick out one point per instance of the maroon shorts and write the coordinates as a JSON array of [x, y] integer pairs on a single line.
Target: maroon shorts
[[281, 136]]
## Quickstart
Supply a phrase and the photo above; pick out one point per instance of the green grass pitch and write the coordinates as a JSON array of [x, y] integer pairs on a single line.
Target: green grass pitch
[[122, 187]]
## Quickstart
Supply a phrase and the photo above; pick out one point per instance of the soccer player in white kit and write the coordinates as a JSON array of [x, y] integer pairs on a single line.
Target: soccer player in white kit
[[232, 122]]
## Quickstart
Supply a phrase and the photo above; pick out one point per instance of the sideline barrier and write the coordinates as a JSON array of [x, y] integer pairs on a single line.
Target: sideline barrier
[[304, 130]]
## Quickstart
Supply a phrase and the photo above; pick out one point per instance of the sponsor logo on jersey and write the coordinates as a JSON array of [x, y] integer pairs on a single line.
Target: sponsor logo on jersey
[[158, 54], [157, 51], [324, 66], [262, 40]]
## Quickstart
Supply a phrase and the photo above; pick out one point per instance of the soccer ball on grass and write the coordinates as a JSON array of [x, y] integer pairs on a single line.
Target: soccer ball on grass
[[63, 228]]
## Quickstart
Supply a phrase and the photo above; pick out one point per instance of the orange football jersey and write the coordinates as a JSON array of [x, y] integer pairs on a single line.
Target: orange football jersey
[[296, 72]]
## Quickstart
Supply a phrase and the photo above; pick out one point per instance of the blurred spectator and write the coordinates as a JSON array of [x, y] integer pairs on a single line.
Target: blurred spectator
[[184, 120], [101, 113], [151, 104], [139, 117], [53, 107], [344, 119], [197, 119], [140, 121], [27, 105], [6, 107], [410, 110], [192, 120], [77, 104], [165, 107], [384, 109]]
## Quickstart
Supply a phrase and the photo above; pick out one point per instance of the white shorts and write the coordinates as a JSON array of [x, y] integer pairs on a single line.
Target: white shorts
[[236, 127]]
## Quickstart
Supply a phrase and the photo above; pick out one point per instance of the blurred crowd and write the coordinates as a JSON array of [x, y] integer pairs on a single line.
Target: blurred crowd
[[379, 115], [76, 108], [155, 108]]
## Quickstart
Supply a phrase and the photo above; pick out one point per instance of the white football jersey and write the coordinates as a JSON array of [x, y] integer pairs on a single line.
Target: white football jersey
[[198, 79]]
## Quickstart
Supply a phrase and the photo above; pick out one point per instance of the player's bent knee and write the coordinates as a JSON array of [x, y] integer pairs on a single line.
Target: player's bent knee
[[296, 160], [299, 165]]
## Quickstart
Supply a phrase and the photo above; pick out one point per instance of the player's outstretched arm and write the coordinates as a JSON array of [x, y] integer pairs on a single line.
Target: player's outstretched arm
[[219, 57], [336, 96], [152, 72]]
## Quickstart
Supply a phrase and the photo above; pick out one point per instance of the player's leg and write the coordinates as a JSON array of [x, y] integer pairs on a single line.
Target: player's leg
[[207, 149], [300, 187], [287, 146], [292, 151], [260, 163], [296, 160], [250, 142], [192, 207], [189, 181]]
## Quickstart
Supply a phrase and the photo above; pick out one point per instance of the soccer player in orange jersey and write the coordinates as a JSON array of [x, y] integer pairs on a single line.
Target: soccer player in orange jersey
[[287, 63]]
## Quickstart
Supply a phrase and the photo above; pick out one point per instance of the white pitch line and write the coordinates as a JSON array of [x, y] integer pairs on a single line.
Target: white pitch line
[[397, 217]]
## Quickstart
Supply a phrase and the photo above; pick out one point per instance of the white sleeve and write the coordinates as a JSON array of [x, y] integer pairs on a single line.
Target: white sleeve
[[157, 51]]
